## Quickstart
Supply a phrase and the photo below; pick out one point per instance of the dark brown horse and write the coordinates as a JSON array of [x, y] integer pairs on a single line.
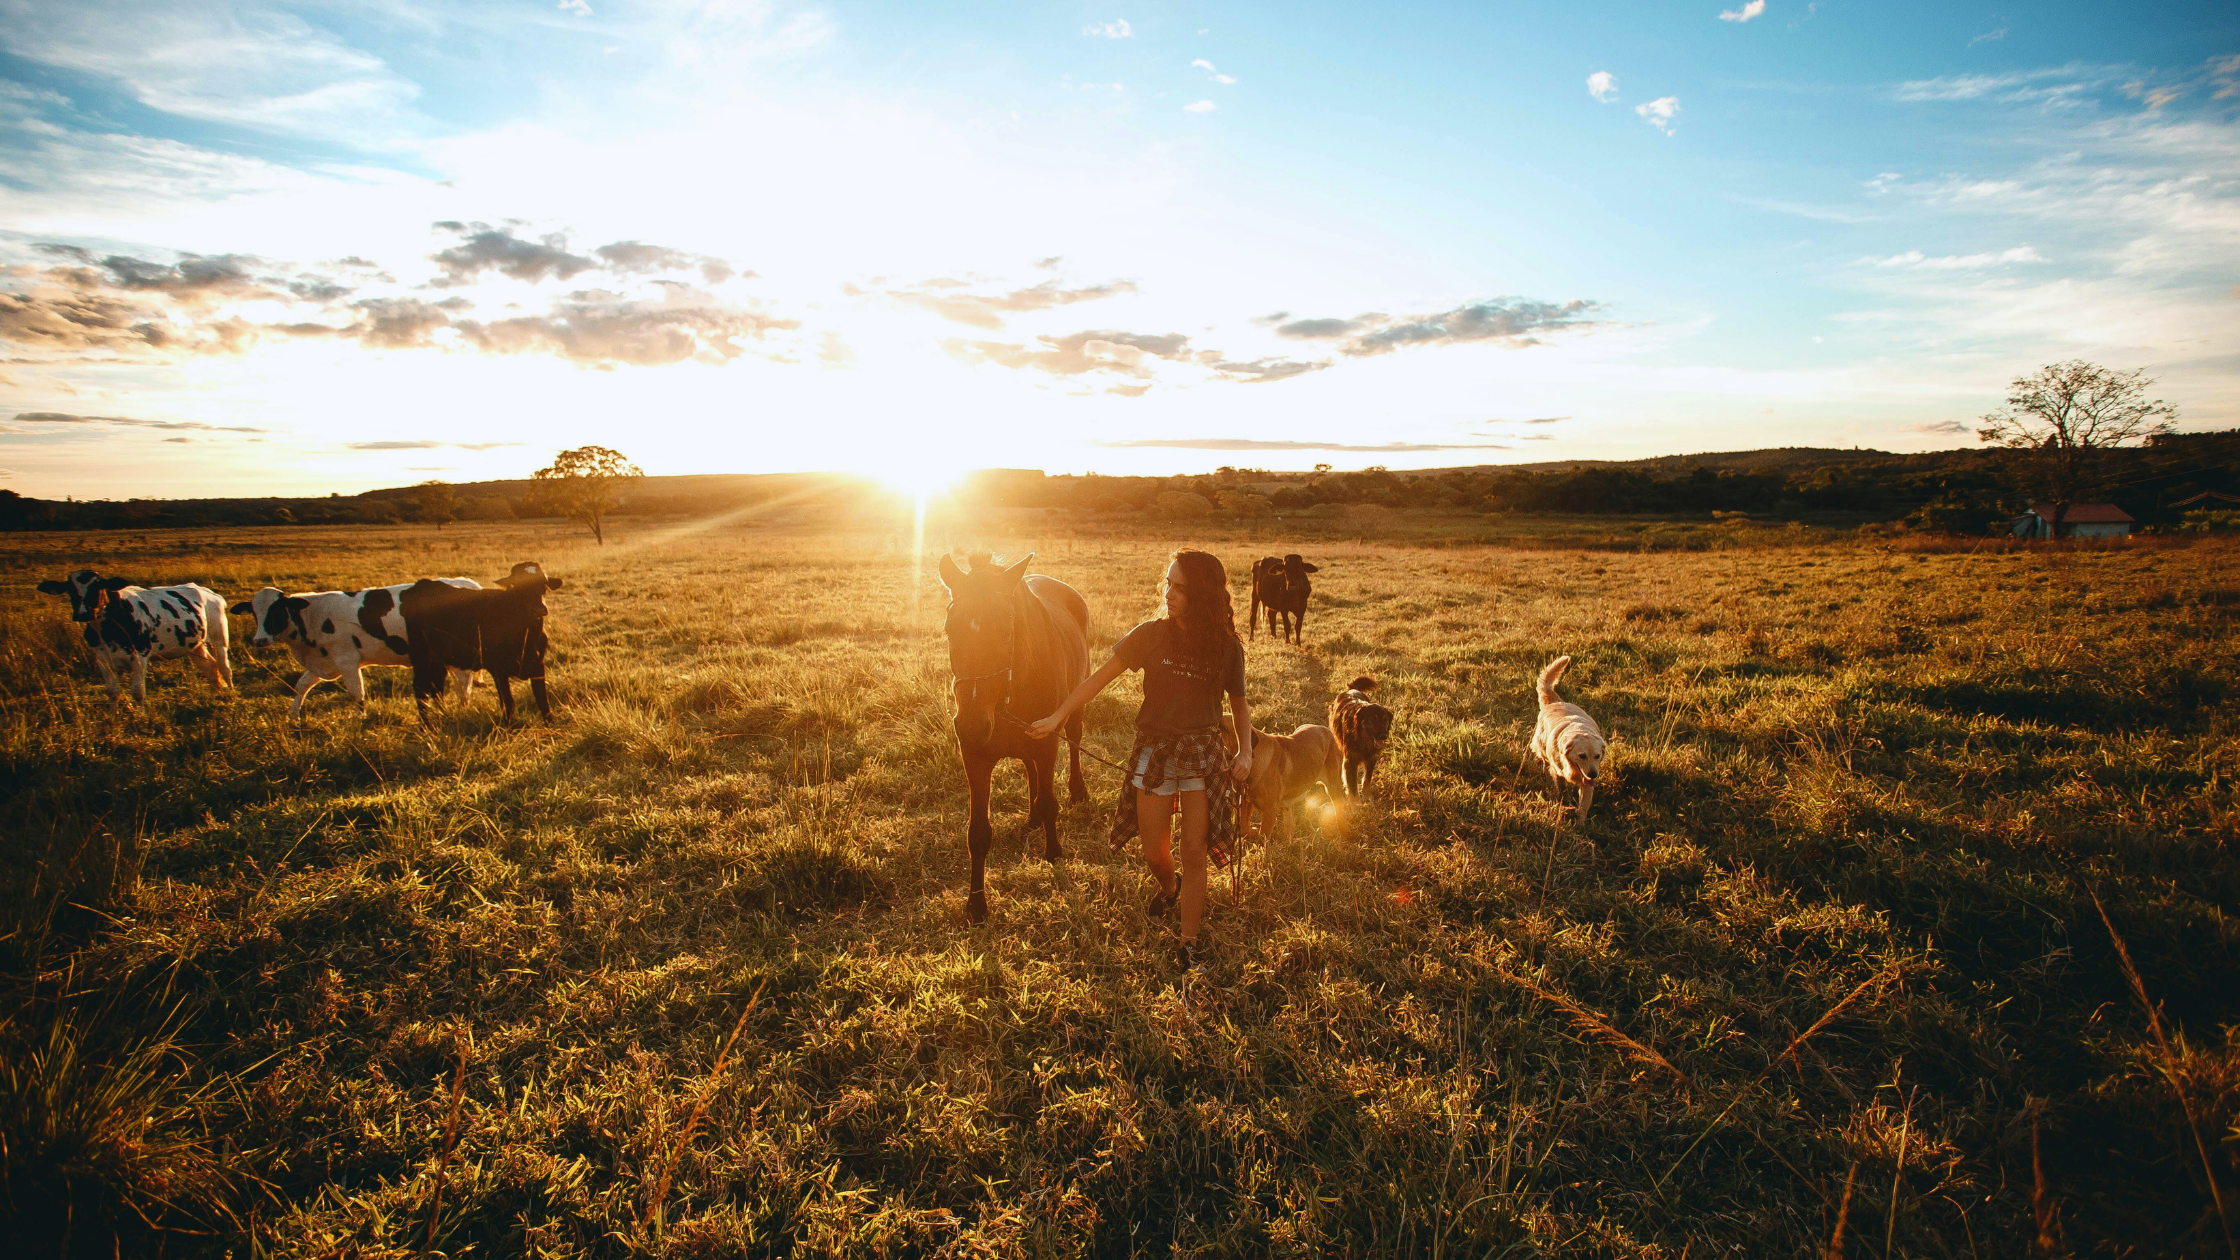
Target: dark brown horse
[[1018, 644]]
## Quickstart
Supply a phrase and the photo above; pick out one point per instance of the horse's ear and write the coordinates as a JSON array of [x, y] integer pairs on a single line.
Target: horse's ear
[[951, 575], [1015, 572]]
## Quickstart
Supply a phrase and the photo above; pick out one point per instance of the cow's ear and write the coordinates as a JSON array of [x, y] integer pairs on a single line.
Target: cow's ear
[[115, 584], [244, 609], [54, 588], [553, 584], [951, 576], [1312, 568], [1018, 572]]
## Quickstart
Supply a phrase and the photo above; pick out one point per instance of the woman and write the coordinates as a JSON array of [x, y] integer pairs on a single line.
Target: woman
[[1189, 658]]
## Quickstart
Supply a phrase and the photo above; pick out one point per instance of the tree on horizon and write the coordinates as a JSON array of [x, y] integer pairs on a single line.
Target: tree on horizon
[[2061, 419], [584, 484]]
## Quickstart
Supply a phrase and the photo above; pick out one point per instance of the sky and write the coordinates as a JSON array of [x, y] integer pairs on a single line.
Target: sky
[[293, 248]]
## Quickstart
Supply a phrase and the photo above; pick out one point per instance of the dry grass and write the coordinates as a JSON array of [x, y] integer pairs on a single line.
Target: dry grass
[[355, 987]]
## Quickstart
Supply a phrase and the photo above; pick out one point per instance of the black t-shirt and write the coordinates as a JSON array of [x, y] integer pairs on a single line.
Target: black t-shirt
[[1180, 695]]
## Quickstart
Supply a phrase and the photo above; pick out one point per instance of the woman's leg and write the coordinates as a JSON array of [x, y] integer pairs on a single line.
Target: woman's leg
[[1193, 862], [1153, 814]]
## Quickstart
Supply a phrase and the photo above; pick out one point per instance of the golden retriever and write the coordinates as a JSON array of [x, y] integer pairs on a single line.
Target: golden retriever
[[1284, 769], [1566, 740]]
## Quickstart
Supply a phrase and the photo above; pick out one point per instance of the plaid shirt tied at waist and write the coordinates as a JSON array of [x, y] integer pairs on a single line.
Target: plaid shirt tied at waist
[[1197, 755]]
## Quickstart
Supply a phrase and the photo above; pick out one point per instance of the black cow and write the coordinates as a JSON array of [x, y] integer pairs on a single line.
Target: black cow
[[498, 630], [1267, 592], [1293, 607]]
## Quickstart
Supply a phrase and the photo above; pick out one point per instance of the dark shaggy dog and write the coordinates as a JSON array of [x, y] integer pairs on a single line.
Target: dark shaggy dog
[[1363, 727]]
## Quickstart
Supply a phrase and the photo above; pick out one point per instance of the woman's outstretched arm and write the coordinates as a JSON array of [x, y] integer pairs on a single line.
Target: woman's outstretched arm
[[1082, 695]]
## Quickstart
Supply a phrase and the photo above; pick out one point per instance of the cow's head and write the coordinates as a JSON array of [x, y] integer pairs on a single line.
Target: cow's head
[[84, 589], [1267, 569], [1296, 565], [279, 616], [983, 628], [526, 573]]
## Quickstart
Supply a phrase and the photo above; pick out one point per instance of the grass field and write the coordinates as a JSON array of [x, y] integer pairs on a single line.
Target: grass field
[[686, 972]]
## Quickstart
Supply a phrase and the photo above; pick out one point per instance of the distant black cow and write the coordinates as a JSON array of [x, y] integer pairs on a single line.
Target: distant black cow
[[1267, 592], [1293, 607], [498, 630]]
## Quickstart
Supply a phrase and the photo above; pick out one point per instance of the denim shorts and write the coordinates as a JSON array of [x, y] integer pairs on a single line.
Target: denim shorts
[[1170, 787]]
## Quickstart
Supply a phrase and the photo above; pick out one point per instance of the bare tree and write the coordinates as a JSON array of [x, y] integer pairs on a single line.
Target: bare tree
[[585, 484], [2065, 414]]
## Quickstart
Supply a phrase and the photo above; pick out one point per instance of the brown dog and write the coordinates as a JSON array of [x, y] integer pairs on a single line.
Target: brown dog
[[1284, 769], [1363, 726]]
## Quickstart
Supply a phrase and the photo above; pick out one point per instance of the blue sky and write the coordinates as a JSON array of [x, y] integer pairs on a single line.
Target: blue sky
[[263, 248]]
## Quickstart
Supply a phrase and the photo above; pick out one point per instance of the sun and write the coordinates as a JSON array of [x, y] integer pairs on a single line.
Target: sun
[[917, 475]]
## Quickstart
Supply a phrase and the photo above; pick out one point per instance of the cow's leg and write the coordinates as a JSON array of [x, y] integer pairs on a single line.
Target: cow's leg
[[1299, 625], [504, 684], [108, 675], [208, 664], [1253, 621], [427, 684], [536, 688], [462, 682], [979, 834], [303, 688], [140, 677], [1077, 787], [354, 681]]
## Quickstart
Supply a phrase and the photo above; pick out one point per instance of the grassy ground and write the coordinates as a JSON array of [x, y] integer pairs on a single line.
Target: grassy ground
[[686, 973]]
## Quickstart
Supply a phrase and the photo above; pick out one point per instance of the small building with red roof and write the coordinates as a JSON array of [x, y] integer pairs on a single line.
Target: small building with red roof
[[2083, 520]]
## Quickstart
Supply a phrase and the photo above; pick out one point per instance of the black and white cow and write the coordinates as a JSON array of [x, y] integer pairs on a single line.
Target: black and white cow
[[333, 634], [127, 626]]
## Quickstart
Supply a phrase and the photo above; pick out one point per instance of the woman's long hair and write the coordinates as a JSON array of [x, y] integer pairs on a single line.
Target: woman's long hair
[[1208, 623]]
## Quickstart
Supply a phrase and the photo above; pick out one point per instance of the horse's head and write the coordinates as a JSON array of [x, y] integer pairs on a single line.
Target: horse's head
[[983, 629]]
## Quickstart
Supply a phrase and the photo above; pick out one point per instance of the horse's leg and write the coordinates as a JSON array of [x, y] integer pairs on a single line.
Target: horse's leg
[[1077, 788], [979, 833], [1042, 789]]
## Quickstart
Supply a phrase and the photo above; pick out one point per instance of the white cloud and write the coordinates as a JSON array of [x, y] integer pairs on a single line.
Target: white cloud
[[1117, 28], [1745, 13], [1207, 66], [1914, 259], [1659, 112], [263, 69], [1988, 37], [581, 8], [1201, 107], [1602, 86]]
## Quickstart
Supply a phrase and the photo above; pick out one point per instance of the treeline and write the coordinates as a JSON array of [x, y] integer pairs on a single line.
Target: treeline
[[1961, 491]]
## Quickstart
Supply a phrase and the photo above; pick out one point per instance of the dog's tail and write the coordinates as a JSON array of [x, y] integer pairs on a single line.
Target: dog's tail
[[1548, 678], [1362, 684]]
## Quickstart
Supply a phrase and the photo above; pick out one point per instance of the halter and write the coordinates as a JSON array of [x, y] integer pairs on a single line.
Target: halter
[[1003, 706]]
